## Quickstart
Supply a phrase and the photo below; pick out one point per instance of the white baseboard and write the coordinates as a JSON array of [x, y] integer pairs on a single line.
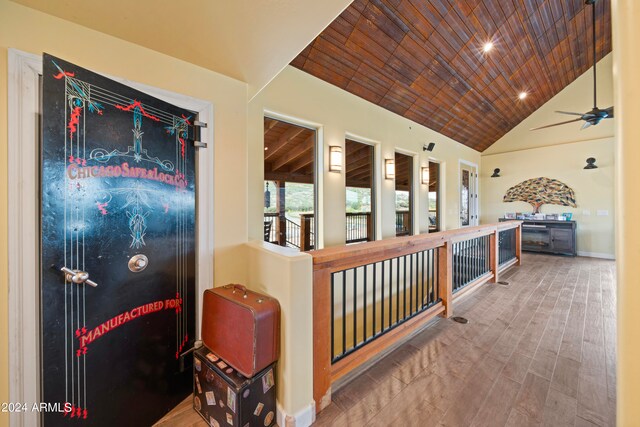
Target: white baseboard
[[596, 255], [303, 418]]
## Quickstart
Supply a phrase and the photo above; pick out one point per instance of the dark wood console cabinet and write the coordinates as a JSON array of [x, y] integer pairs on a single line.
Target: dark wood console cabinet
[[555, 237]]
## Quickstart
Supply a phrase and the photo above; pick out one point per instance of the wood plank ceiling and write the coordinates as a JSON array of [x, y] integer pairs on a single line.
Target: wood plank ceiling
[[423, 59], [288, 152]]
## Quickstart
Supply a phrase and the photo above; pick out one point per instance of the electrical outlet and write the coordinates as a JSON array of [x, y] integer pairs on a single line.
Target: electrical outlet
[[586, 212], [603, 213]]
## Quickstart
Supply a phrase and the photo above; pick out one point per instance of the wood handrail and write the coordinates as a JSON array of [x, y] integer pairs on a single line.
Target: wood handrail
[[507, 225], [399, 245], [331, 260], [357, 213]]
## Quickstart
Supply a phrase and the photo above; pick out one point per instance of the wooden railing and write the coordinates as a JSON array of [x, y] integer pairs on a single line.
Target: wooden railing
[[286, 232], [369, 297], [508, 241], [359, 227], [273, 229], [403, 223]]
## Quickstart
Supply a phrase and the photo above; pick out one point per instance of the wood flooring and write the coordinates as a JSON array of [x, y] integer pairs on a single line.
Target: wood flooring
[[538, 352]]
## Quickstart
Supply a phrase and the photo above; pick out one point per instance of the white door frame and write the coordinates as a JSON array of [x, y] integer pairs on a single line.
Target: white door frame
[[474, 207], [24, 221]]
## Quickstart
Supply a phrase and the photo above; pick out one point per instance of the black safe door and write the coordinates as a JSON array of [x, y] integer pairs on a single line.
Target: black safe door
[[118, 203]]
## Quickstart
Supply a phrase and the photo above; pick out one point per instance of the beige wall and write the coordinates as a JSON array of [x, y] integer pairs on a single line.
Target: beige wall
[[286, 274], [337, 113], [560, 153], [34, 32], [626, 37], [565, 162]]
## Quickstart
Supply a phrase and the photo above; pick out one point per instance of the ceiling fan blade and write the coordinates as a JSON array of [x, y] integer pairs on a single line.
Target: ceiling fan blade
[[609, 112], [557, 124], [570, 113], [585, 125]]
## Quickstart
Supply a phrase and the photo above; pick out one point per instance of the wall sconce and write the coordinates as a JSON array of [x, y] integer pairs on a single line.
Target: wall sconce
[[335, 158], [591, 163], [496, 173], [424, 174], [389, 168]]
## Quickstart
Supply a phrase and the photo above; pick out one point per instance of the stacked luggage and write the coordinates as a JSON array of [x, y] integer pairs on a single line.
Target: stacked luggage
[[234, 372]]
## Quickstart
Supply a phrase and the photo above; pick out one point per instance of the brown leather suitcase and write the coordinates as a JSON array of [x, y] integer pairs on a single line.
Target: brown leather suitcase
[[242, 327]]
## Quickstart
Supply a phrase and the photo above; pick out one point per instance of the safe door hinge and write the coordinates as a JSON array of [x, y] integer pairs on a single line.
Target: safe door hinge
[[199, 144], [196, 142]]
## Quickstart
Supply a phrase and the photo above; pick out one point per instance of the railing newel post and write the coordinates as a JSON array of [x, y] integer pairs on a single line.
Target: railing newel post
[[494, 248], [519, 243], [445, 277], [322, 338]]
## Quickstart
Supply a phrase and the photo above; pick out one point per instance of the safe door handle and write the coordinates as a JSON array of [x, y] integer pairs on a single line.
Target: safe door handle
[[78, 277]]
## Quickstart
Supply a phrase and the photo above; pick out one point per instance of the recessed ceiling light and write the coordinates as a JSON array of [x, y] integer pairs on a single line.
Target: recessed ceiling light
[[487, 47], [522, 95]]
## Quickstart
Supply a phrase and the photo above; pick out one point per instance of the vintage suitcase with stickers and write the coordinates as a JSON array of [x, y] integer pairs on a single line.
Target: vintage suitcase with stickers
[[242, 327], [224, 397]]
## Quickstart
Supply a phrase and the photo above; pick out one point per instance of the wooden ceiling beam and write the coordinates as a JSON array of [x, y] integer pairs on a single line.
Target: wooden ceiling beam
[[289, 177], [305, 160], [287, 136], [358, 183], [358, 164], [293, 151]]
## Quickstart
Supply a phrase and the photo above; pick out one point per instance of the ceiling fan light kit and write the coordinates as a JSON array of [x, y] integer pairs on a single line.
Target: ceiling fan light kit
[[595, 115]]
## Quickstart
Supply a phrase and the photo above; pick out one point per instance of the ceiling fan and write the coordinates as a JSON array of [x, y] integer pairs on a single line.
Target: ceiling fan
[[596, 114]]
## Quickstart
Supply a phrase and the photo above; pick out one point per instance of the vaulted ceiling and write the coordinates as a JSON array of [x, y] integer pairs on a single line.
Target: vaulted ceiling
[[424, 59]]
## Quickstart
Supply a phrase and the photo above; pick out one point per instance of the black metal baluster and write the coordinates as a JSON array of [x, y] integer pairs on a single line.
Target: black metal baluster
[[487, 251], [472, 263], [434, 265], [390, 292], [355, 306], [382, 298], [482, 248], [417, 285], [456, 263], [437, 285], [461, 261], [471, 260], [364, 311], [344, 311], [422, 274], [375, 291], [465, 264], [404, 287], [410, 284], [333, 319], [484, 254], [430, 267], [476, 258], [397, 289]]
